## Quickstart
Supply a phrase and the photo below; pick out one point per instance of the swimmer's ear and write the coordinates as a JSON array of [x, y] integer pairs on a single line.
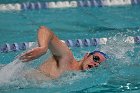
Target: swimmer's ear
[[86, 55]]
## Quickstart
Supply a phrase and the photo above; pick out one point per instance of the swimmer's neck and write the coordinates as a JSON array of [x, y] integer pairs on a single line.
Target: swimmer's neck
[[77, 65]]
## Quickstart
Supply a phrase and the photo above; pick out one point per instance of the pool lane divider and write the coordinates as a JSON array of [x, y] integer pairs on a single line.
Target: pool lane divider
[[5, 48], [66, 4]]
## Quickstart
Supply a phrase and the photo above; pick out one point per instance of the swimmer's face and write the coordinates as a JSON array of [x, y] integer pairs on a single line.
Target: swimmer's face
[[93, 60]]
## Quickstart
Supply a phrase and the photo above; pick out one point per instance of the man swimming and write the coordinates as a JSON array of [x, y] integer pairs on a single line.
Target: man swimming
[[62, 59]]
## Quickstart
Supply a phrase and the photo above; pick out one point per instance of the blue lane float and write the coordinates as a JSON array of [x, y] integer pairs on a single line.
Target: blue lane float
[[66, 4], [84, 42], [137, 39], [13, 47], [5, 48]]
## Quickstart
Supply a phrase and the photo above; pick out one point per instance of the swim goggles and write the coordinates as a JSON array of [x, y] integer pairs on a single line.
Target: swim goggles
[[97, 58]]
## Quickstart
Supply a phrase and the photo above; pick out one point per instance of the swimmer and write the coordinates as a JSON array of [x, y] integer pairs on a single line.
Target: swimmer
[[62, 59]]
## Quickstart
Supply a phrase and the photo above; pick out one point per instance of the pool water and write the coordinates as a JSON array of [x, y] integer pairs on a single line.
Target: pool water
[[120, 73]]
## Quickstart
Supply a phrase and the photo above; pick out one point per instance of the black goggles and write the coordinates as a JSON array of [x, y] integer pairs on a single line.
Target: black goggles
[[96, 59]]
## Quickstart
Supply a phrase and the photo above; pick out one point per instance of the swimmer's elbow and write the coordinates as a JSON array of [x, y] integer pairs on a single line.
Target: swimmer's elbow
[[46, 31], [43, 28]]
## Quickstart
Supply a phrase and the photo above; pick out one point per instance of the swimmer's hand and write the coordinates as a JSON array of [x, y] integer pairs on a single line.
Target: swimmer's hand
[[32, 54]]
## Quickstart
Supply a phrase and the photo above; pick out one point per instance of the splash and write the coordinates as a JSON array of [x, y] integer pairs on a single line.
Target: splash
[[9, 71], [118, 47], [124, 65], [12, 76]]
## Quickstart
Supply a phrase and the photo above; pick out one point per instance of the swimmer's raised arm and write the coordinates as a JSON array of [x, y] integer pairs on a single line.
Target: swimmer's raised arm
[[47, 40]]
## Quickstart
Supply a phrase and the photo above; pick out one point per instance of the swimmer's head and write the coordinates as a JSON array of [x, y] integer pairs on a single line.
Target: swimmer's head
[[93, 59]]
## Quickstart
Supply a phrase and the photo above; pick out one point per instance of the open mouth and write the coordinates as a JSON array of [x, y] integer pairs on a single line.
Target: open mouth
[[90, 66]]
